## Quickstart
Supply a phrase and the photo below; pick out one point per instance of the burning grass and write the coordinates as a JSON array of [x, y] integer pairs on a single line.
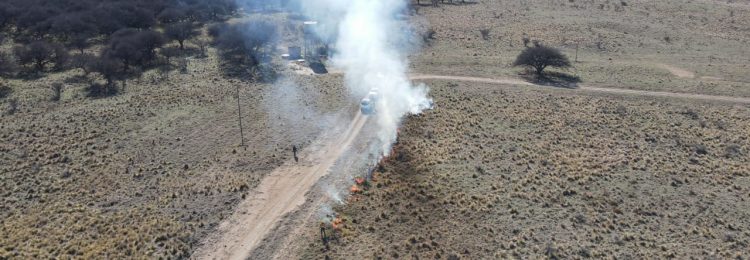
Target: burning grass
[[499, 172]]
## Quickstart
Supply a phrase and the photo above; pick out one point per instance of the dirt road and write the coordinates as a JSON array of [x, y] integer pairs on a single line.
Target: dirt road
[[680, 73], [580, 87], [279, 193]]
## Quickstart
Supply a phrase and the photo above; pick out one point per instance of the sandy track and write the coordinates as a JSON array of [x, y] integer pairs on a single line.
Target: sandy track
[[471, 79], [741, 100], [279, 193], [667, 94], [680, 73]]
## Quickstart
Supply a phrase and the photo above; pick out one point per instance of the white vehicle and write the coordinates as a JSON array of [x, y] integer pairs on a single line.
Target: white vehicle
[[368, 103], [366, 106]]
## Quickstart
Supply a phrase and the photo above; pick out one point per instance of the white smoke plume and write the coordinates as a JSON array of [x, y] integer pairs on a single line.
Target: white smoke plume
[[371, 47]]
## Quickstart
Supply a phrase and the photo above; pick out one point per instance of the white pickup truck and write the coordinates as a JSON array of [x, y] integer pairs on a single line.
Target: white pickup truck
[[369, 102]]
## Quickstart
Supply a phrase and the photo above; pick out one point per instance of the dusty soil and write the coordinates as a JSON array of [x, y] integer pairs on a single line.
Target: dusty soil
[[620, 46], [497, 172], [279, 193], [283, 235], [647, 158]]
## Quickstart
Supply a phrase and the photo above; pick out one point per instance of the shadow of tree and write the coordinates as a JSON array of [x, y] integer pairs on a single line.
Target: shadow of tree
[[98, 90], [553, 79]]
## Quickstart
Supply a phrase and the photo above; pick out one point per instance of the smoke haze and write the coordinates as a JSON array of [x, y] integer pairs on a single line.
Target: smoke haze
[[371, 47]]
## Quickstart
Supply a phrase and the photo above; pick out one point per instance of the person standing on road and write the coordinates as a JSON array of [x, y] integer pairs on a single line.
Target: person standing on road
[[323, 236], [294, 152]]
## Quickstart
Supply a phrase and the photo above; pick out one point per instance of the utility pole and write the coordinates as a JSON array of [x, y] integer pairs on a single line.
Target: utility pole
[[239, 117], [577, 43]]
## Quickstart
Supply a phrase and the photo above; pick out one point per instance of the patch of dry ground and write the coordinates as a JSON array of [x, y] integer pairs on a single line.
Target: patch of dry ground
[[278, 194], [622, 44], [492, 172], [148, 172], [497, 172]]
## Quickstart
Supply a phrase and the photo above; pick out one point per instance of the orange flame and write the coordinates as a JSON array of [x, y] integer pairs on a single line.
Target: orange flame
[[336, 223]]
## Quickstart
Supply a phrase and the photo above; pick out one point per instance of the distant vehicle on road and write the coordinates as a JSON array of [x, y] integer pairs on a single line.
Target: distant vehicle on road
[[366, 106], [368, 103]]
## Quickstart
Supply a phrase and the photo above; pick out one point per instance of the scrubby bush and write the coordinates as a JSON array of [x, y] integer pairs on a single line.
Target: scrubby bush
[[485, 34], [68, 20], [133, 47], [245, 43], [172, 15], [57, 89], [7, 65], [7, 13], [41, 53], [111, 69], [97, 90], [180, 32], [12, 106], [67, 26], [84, 62], [79, 42], [541, 57], [5, 91], [202, 44], [428, 36], [169, 53]]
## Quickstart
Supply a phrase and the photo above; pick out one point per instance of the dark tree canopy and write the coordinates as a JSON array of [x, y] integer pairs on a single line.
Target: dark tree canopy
[[67, 26], [541, 57], [180, 32], [7, 64], [42, 30], [37, 19], [133, 47], [79, 42], [109, 68], [40, 54], [173, 15], [84, 61], [246, 42]]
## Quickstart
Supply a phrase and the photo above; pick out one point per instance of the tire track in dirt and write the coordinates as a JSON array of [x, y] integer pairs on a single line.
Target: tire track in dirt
[[680, 73], [683, 73], [278, 194], [729, 99]]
